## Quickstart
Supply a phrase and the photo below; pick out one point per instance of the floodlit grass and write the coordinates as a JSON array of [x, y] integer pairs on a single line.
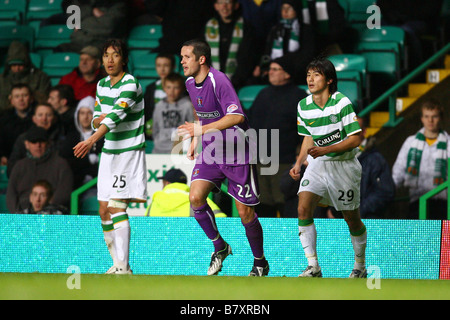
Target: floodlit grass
[[137, 287]]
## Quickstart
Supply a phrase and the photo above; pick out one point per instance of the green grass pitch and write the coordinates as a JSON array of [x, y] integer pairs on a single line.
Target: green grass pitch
[[32, 286]]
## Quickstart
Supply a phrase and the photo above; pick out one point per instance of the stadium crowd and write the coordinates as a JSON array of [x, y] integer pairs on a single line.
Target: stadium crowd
[[254, 42]]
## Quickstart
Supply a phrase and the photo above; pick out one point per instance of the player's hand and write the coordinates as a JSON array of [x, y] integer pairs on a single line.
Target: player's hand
[[191, 153], [295, 172], [96, 121], [82, 149], [317, 151], [190, 129]]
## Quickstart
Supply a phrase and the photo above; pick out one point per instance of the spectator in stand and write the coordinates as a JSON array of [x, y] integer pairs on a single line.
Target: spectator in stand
[[173, 199], [15, 120], [271, 110], [40, 200], [231, 42], [20, 69], [377, 185], [421, 164], [83, 79], [171, 112], [327, 20], [182, 20], [262, 15], [154, 92], [84, 169], [41, 162], [100, 21], [44, 117], [290, 37], [62, 99]]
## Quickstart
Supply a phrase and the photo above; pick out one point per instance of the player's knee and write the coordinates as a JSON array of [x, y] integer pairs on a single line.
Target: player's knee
[[304, 212], [196, 200], [103, 211]]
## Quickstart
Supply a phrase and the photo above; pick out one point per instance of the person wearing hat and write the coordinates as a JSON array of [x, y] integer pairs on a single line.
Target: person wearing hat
[[83, 79], [41, 162], [173, 199], [18, 68], [271, 110], [289, 37], [44, 117]]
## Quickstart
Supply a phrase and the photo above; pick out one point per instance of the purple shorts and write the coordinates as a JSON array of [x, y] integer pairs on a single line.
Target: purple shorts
[[242, 180]]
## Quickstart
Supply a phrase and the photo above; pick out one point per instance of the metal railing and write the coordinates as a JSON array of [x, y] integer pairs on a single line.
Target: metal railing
[[391, 94], [423, 214]]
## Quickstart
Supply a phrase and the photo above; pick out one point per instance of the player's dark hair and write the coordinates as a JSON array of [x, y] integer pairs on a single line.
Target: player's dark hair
[[326, 68], [201, 48], [120, 46]]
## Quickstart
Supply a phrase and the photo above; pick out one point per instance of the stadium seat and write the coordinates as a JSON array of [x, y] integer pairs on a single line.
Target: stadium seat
[[350, 86], [38, 10], [356, 10], [36, 59], [385, 52], [143, 38], [89, 206], [12, 12], [387, 34], [48, 37], [21, 33], [144, 66], [248, 94], [3, 207], [59, 64], [3, 178]]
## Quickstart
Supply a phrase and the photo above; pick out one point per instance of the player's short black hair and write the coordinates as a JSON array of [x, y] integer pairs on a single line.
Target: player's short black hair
[[120, 46], [326, 68], [201, 48]]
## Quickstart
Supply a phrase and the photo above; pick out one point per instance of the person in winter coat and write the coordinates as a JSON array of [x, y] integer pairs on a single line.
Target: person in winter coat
[[19, 69]]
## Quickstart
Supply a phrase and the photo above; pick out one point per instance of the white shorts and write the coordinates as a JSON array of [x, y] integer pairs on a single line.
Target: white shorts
[[337, 182], [122, 176]]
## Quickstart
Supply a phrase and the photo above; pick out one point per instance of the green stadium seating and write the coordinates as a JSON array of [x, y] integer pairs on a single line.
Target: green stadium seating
[[36, 59], [48, 37], [89, 206], [38, 10], [59, 64], [248, 94], [3, 178], [144, 66], [12, 12], [21, 33], [144, 38], [385, 52], [3, 207]]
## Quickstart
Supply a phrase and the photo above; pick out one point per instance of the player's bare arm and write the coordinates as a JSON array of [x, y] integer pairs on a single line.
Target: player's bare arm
[[83, 147], [307, 143], [96, 121], [351, 142]]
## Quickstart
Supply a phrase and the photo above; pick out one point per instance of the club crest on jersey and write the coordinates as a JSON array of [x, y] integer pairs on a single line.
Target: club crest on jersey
[[232, 108], [200, 102], [196, 172]]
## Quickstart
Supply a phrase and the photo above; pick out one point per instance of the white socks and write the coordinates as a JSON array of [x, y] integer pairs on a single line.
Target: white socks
[[308, 239]]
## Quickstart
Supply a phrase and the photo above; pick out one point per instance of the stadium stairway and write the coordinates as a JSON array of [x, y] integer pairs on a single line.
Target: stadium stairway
[[415, 91]]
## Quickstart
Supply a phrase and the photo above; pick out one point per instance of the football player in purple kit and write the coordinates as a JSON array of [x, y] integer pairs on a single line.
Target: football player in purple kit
[[221, 127]]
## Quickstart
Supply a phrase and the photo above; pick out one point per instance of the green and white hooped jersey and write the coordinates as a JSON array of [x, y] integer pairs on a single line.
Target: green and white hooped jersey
[[124, 105], [330, 125]]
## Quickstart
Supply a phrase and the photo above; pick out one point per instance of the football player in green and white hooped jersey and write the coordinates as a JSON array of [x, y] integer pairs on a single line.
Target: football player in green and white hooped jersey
[[327, 120], [122, 176]]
